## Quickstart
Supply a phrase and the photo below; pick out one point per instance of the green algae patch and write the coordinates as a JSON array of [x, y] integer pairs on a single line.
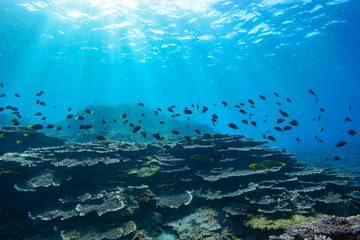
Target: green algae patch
[[148, 171], [261, 222]]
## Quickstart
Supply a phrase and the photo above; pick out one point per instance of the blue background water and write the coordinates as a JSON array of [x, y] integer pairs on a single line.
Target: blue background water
[[181, 52]]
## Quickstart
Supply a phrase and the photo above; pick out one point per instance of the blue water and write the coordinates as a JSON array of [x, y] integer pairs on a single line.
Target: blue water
[[163, 53]]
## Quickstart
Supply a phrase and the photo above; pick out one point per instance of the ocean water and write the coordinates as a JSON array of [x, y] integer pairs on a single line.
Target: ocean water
[[164, 53], [108, 56]]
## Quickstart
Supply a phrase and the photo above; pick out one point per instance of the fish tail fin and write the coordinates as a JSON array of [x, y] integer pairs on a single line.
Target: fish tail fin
[[30, 127], [211, 159]]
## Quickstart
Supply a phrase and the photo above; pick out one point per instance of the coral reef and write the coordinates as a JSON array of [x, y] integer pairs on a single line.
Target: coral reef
[[108, 189], [328, 227], [19, 139]]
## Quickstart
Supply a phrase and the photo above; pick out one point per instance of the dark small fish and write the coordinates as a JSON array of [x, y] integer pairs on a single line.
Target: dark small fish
[[36, 127], [114, 121], [131, 125], [188, 118], [2, 109], [123, 116], [253, 123], [276, 94], [341, 144], [136, 129], [197, 107], [251, 102], [87, 127], [350, 108], [243, 111], [103, 121], [337, 158], [140, 121], [213, 120], [242, 104], [198, 131], [233, 126], [313, 93], [298, 139], [39, 93], [143, 114], [278, 103], [322, 110], [79, 118], [224, 103], [126, 121], [58, 128], [214, 116], [287, 128], [175, 132], [69, 116], [237, 106], [327, 159], [321, 129], [294, 123], [69, 109], [156, 113], [43, 104], [89, 111], [187, 111], [49, 126], [278, 129], [170, 109], [262, 97], [162, 122], [265, 121], [204, 109], [68, 126], [157, 136], [81, 127], [283, 113], [9, 107], [187, 138], [347, 120], [264, 136], [280, 120], [141, 104], [319, 117], [271, 138], [144, 134], [1, 85], [289, 100], [320, 141], [54, 106], [101, 138], [3, 95], [176, 115], [245, 121], [43, 118], [352, 132], [159, 109], [38, 114], [16, 123], [16, 95], [172, 106]]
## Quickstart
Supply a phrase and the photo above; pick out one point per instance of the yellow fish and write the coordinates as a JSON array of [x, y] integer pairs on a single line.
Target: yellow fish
[[273, 163], [202, 157], [258, 166], [26, 134], [18, 141]]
